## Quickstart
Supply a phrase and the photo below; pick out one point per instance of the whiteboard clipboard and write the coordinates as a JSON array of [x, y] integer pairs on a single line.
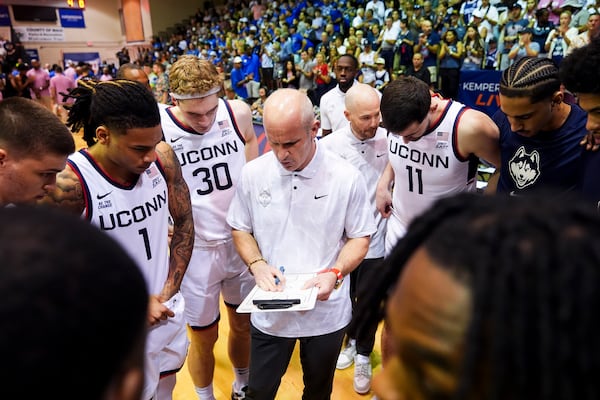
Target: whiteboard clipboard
[[293, 290]]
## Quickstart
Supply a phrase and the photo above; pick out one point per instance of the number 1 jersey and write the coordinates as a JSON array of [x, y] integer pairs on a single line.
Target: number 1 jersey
[[136, 216]]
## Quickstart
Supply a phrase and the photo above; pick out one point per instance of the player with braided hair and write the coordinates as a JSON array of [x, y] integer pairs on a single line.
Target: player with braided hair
[[127, 183], [495, 300], [539, 132]]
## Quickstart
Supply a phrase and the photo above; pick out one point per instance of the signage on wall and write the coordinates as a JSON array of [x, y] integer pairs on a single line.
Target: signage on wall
[[70, 18], [39, 34], [4, 16]]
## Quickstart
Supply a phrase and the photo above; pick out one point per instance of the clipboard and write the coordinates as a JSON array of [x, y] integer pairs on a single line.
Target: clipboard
[[293, 297]]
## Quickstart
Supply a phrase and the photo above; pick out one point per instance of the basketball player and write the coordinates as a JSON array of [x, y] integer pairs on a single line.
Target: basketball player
[[127, 183], [34, 146], [492, 297], [580, 73], [213, 139], [434, 149], [540, 134]]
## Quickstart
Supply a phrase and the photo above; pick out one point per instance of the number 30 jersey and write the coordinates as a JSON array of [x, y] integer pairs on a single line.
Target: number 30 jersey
[[211, 164], [136, 216], [427, 169]]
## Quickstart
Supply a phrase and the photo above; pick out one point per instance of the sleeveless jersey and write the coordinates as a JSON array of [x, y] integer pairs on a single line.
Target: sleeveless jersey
[[428, 169], [136, 216], [211, 164]]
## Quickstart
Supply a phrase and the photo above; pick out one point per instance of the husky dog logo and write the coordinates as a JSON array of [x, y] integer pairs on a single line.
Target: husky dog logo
[[524, 168]]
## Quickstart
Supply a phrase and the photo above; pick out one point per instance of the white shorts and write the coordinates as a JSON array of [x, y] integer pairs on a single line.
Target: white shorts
[[214, 270], [166, 346], [395, 231]]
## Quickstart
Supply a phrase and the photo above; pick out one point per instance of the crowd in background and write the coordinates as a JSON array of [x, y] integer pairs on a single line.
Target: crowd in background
[[289, 43], [297, 43]]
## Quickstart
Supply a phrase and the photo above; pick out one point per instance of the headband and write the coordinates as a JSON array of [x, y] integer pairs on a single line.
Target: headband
[[214, 90]]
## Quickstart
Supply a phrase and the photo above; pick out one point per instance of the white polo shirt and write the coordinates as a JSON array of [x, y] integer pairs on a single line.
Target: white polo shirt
[[370, 157], [301, 220], [332, 108]]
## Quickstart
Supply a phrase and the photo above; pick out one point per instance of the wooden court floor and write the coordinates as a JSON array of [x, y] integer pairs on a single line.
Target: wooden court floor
[[291, 384]]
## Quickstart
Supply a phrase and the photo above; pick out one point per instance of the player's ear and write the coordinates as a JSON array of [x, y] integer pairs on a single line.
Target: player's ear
[[102, 134], [557, 97], [3, 155]]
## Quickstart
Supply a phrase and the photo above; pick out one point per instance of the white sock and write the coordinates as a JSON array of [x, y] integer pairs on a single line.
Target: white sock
[[352, 342], [205, 393], [360, 359], [241, 378]]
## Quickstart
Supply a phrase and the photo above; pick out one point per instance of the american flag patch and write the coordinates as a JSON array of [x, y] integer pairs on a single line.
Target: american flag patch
[[151, 172], [443, 136], [223, 124]]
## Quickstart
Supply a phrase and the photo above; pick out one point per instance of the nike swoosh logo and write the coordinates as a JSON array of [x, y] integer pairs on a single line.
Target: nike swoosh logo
[[173, 140], [380, 155], [100, 197], [320, 197]]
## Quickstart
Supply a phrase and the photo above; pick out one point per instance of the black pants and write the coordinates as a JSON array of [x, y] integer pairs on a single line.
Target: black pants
[[270, 356], [361, 282]]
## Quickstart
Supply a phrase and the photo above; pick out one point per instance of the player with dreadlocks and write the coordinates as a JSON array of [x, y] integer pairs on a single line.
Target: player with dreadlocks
[[495, 300], [539, 132], [127, 183]]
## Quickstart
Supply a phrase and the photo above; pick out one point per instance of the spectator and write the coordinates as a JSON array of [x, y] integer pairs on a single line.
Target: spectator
[[161, 87], [418, 70], [450, 57], [382, 76], [238, 79], [474, 49], [559, 40], [428, 45]]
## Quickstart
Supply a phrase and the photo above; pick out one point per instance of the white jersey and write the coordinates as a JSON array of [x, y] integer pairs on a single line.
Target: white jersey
[[370, 157], [136, 216], [426, 170], [211, 164]]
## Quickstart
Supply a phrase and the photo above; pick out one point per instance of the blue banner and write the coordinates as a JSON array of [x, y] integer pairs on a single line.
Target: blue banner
[[479, 90], [32, 54], [71, 18], [4, 16]]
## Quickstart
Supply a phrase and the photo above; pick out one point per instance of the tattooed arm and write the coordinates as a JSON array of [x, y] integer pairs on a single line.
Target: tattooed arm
[[67, 193], [180, 208]]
